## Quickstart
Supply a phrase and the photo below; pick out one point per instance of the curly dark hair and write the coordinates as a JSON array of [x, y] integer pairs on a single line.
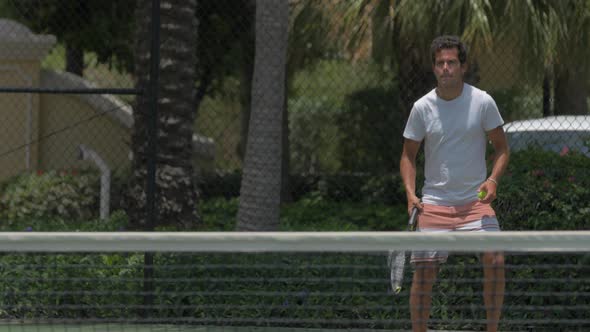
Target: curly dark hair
[[446, 42]]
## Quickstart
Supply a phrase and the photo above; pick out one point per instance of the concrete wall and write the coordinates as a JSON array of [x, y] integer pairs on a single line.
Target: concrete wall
[[66, 121], [44, 131]]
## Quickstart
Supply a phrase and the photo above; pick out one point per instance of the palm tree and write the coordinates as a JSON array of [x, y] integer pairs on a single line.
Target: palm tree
[[401, 31], [175, 191], [261, 182], [556, 33], [553, 36], [303, 18], [82, 26], [571, 66]]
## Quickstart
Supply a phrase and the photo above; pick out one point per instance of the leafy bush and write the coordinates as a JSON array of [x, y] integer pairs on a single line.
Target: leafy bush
[[62, 194], [219, 214], [312, 213], [313, 135], [320, 290], [545, 191], [117, 221], [320, 113], [315, 214], [541, 190], [359, 187], [524, 102], [219, 184], [371, 126]]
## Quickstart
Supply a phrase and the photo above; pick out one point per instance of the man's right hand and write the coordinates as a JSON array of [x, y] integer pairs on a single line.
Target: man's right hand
[[414, 201]]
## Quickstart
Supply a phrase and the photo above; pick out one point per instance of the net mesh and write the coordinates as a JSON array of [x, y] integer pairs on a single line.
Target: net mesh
[[110, 288]]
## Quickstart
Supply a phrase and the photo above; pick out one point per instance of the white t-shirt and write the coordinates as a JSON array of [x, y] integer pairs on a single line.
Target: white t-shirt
[[454, 134]]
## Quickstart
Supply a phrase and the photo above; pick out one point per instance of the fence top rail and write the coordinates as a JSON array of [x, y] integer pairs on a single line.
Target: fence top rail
[[111, 91], [508, 241]]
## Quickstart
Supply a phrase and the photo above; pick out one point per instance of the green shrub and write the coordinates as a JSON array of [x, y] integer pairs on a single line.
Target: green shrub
[[541, 190], [117, 221], [358, 187], [524, 102], [322, 110], [312, 213], [315, 214], [219, 214], [371, 126], [219, 184], [322, 289], [48, 195], [545, 191], [313, 135]]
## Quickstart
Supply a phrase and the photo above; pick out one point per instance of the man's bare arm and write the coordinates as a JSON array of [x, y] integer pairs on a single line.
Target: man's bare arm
[[407, 168], [501, 158]]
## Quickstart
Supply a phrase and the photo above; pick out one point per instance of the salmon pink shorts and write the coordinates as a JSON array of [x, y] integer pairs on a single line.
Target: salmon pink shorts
[[472, 217]]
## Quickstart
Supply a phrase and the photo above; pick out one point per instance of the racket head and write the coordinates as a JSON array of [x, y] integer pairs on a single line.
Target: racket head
[[397, 263], [397, 259]]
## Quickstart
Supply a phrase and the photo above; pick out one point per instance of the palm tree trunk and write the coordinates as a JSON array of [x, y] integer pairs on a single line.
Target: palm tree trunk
[[136, 196], [74, 54], [175, 192], [547, 93], [286, 196], [260, 193], [74, 60], [415, 79], [247, 41], [570, 92], [178, 199]]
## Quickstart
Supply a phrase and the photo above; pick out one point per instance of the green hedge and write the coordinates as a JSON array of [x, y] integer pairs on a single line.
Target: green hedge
[[545, 191], [67, 194], [540, 190], [358, 187], [344, 288]]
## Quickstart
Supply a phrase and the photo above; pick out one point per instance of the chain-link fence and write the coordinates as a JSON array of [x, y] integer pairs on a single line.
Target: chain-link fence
[[67, 116], [81, 96]]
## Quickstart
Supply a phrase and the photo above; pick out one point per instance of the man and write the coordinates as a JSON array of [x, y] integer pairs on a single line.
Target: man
[[454, 120]]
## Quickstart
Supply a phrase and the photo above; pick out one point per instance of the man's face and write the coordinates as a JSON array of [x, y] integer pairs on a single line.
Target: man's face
[[448, 69]]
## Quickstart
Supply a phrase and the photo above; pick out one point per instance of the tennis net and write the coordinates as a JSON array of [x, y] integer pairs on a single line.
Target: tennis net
[[320, 281]]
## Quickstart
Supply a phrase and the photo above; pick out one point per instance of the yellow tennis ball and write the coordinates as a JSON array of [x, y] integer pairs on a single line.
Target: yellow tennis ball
[[481, 194]]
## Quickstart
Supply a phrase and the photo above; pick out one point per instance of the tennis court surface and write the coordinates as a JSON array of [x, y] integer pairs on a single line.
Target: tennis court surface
[[158, 328], [167, 328], [284, 282]]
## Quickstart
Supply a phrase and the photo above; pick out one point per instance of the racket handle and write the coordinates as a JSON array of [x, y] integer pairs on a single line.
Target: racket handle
[[412, 221]]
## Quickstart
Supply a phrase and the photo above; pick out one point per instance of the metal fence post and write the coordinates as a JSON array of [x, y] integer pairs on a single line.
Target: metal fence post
[[148, 272]]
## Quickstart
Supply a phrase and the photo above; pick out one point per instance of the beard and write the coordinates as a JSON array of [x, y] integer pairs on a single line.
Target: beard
[[449, 81]]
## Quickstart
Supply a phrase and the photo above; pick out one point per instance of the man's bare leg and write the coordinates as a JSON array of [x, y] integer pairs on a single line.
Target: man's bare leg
[[421, 294], [493, 288]]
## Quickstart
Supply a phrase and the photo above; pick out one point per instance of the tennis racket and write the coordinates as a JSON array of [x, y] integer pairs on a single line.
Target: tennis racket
[[397, 259]]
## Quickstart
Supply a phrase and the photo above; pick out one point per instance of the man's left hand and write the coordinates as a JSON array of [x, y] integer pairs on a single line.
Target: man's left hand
[[490, 188]]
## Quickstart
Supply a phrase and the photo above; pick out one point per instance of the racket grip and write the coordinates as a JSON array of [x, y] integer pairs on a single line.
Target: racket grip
[[412, 221]]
